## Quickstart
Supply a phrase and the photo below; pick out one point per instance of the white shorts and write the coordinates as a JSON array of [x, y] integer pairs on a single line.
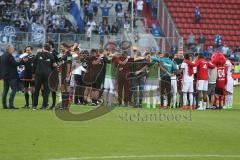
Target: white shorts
[[187, 87], [202, 85], [109, 85], [174, 86], [229, 86], [151, 85]]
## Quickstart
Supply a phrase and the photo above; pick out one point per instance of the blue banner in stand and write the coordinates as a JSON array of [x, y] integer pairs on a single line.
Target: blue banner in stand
[[7, 34], [37, 33]]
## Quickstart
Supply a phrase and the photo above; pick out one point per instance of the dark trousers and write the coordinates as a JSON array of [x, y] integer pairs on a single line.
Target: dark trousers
[[165, 90], [41, 80], [54, 97], [105, 20], [79, 88], [123, 83], [9, 83], [137, 87]]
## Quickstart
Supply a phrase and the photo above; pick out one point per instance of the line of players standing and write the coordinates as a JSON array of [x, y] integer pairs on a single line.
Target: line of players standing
[[91, 73]]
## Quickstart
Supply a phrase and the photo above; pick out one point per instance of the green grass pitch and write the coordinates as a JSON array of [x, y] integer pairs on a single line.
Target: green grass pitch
[[40, 135]]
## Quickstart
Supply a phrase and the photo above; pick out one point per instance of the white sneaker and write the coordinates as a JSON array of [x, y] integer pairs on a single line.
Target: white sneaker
[[225, 107], [200, 109]]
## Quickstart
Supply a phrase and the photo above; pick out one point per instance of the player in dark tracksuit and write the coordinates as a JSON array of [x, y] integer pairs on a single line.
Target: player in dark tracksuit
[[56, 56], [65, 69], [123, 70], [42, 67], [138, 80], [27, 75], [94, 78]]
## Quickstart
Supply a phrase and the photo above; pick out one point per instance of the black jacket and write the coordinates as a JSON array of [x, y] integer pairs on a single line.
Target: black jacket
[[28, 67], [8, 66], [43, 63]]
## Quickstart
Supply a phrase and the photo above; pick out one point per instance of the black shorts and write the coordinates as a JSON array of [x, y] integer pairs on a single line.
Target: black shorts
[[211, 89], [165, 85], [97, 85], [63, 79], [220, 91], [28, 84]]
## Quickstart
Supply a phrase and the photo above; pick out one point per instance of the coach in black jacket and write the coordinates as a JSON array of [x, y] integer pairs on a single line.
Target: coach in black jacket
[[9, 75], [42, 67]]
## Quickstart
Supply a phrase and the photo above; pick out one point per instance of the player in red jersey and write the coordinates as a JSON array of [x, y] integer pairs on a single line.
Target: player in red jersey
[[219, 59], [202, 80], [220, 86]]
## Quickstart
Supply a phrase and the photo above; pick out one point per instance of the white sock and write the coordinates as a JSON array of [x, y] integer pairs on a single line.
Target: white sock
[[105, 98], [148, 101], [184, 99], [174, 100], [191, 98], [230, 101], [227, 101], [155, 99], [165, 101], [200, 104], [60, 97], [204, 105]]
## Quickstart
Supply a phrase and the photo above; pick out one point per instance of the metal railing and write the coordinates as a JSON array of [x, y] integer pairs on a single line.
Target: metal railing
[[22, 39]]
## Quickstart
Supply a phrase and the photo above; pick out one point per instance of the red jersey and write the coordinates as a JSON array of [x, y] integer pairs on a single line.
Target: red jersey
[[202, 69], [123, 68], [221, 77]]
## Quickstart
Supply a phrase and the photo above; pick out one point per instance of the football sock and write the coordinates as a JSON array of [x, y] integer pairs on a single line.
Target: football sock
[[204, 105], [184, 99], [110, 100], [230, 101], [155, 99], [27, 98], [191, 98], [105, 96], [200, 104], [174, 100], [148, 101]]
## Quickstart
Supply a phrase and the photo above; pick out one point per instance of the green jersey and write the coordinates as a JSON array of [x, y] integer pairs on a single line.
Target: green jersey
[[111, 71], [153, 71]]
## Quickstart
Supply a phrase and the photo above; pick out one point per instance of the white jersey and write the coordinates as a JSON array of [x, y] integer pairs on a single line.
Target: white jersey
[[186, 77], [174, 77], [229, 86], [229, 68]]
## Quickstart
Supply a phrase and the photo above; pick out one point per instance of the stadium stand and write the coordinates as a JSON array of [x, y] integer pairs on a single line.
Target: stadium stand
[[217, 17]]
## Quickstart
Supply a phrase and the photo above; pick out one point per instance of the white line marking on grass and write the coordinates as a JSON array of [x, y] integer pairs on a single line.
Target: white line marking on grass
[[150, 156]]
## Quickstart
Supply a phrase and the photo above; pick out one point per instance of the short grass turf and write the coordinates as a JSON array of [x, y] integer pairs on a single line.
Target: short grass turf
[[40, 135]]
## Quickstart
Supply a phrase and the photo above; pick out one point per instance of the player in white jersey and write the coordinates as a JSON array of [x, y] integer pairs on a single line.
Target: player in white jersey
[[187, 82], [174, 88], [229, 86]]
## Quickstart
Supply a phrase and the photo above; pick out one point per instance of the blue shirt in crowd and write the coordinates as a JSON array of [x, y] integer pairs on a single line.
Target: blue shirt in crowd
[[105, 10]]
